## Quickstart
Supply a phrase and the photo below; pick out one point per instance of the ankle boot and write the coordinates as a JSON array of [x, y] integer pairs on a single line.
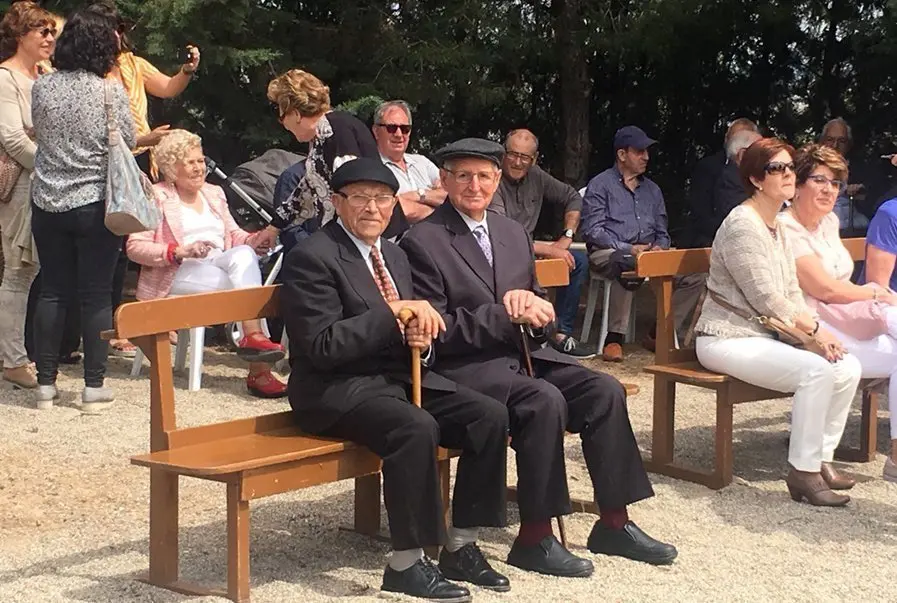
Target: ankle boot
[[811, 486], [835, 479]]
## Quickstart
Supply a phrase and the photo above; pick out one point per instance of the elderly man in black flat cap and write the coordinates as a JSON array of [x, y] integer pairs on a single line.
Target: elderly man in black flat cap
[[343, 289], [477, 269]]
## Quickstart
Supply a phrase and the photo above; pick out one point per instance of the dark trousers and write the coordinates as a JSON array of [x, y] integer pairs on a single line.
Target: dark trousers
[[576, 399], [566, 304], [405, 437], [71, 332], [78, 254]]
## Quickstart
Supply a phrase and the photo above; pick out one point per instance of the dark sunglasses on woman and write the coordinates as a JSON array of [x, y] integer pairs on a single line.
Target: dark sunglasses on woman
[[778, 167]]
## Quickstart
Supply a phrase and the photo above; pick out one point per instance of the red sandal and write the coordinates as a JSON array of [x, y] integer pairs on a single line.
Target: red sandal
[[265, 385], [255, 347]]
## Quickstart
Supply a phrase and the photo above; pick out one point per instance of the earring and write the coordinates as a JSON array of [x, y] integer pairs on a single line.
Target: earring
[[759, 188]]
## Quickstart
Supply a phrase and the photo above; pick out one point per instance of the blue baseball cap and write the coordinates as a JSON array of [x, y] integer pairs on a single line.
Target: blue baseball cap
[[632, 137]]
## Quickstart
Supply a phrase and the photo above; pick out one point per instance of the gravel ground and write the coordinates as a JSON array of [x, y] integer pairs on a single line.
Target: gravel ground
[[74, 521]]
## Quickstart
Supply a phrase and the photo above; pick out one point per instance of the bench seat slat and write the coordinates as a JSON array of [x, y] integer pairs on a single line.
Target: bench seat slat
[[688, 372]]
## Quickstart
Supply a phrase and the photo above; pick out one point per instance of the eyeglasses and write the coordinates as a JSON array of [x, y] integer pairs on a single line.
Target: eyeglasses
[[778, 167], [521, 157], [467, 177], [47, 32], [358, 200], [391, 128], [822, 181]]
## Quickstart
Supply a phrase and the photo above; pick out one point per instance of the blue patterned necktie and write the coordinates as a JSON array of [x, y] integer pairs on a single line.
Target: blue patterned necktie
[[485, 244]]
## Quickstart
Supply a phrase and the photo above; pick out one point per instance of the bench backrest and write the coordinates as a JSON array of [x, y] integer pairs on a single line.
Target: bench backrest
[[148, 323], [662, 266]]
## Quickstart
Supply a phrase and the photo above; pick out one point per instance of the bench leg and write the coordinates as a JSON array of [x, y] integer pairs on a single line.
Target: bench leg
[[722, 475], [868, 432], [663, 433], [163, 554], [367, 505], [237, 544]]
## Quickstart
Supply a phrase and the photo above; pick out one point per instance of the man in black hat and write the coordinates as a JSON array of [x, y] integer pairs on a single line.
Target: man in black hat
[[477, 269], [623, 215], [343, 289]]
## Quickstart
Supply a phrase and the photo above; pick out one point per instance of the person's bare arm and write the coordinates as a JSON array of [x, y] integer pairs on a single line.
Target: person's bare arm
[[162, 86], [817, 283], [879, 265]]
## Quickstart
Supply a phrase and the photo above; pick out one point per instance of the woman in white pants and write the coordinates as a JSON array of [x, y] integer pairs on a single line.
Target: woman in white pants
[[198, 248], [824, 267], [752, 274]]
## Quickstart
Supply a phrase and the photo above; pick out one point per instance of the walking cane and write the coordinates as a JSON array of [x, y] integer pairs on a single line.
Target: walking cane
[[405, 316], [528, 363]]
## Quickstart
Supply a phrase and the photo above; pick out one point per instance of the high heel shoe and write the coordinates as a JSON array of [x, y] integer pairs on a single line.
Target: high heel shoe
[[835, 479], [812, 487]]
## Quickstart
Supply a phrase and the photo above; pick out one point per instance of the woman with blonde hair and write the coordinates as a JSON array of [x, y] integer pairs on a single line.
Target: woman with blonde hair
[[302, 103], [27, 39], [198, 248], [864, 317]]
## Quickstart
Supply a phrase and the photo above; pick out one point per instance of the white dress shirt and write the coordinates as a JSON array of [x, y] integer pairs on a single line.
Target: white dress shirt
[[365, 250], [422, 173]]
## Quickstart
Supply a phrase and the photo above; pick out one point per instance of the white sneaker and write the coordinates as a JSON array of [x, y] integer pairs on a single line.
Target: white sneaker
[[95, 399], [44, 396]]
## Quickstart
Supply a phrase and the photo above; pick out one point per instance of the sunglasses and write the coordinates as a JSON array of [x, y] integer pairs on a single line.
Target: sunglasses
[[391, 128], [778, 167], [46, 32]]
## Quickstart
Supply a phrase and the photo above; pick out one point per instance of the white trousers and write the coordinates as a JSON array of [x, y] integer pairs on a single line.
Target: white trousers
[[236, 268], [878, 358], [823, 391]]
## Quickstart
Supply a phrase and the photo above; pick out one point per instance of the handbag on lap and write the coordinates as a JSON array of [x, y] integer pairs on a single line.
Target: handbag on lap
[[130, 201]]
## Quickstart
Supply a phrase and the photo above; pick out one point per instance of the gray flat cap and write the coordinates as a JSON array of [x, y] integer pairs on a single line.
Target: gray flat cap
[[479, 148]]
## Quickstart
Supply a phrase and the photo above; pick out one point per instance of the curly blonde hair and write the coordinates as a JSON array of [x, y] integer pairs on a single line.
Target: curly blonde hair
[[300, 90], [172, 149]]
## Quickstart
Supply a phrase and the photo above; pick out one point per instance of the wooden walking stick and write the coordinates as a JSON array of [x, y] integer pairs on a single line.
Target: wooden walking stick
[[405, 316], [528, 364]]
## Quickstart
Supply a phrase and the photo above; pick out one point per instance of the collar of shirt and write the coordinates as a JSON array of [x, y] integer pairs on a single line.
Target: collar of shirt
[[472, 224], [409, 160], [363, 248], [621, 180]]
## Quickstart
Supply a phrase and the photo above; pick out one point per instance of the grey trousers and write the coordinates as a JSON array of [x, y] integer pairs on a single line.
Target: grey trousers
[[686, 292]]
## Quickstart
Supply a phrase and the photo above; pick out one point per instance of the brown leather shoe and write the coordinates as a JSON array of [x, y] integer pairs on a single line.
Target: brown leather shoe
[[613, 352], [835, 479], [22, 377], [807, 485]]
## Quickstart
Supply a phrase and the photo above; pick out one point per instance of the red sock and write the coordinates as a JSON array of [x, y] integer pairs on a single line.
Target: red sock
[[613, 519], [532, 532]]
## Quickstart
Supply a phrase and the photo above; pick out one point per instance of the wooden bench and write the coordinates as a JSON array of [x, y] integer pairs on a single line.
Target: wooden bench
[[255, 457], [674, 366]]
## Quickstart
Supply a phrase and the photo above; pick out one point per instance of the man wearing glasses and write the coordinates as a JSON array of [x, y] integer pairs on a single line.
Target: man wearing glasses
[[523, 188], [420, 191]]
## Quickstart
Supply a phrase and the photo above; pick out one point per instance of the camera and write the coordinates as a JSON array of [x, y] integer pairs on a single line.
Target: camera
[[184, 55]]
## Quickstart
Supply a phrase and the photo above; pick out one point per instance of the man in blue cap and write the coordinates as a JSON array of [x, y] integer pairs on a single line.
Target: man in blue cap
[[343, 290], [477, 269], [623, 215]]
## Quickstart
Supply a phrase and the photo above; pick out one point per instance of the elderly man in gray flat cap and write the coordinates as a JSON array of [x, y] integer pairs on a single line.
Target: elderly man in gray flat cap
[[477, 269]]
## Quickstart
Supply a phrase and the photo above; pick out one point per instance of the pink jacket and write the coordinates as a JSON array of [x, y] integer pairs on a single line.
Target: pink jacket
[[150, 248]]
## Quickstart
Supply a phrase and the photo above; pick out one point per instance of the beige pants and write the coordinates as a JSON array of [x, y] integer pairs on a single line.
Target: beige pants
[[686, 292]]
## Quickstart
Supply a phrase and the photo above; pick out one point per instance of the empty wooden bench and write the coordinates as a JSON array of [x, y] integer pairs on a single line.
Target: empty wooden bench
[[254, 457], [673, 366]]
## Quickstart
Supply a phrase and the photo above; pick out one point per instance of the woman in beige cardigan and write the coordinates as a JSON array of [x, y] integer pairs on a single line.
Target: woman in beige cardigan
[[27, 37], [752, 274]]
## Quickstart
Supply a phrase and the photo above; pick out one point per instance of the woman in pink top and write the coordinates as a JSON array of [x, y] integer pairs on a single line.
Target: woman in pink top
[[824, 267], [198, 248]]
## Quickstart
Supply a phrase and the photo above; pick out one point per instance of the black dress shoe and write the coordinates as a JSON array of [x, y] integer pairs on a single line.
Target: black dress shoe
[[630, 542], [551, 558], [424, 580], [468, 564]]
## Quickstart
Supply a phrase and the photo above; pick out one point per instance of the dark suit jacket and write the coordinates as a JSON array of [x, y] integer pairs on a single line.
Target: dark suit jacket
[[728, 193], [481, 346], [702, 224], [345, 345]]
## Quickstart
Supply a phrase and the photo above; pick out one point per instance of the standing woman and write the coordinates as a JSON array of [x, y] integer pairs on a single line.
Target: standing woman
[[77, 252], [27, 37]]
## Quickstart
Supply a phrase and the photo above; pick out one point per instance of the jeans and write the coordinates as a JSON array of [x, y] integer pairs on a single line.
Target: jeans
[[78, 254], [71, 332], [566, 303]]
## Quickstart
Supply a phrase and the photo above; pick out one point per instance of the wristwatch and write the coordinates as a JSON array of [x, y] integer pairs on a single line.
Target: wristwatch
[[422, 194], [569, 233]]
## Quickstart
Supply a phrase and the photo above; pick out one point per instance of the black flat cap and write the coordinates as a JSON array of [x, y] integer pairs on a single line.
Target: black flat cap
[[363, 169], [471, 147]]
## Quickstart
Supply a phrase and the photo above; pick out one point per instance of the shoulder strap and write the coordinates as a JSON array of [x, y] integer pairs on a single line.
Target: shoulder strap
[[716, 297], [111, 124]]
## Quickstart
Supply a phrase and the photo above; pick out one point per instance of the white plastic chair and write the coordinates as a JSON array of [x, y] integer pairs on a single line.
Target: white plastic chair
[[596, 282]]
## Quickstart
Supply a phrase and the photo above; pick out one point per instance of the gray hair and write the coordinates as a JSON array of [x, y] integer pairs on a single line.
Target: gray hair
[[384, 107], [840, 121], [172, 149], [740, 141]]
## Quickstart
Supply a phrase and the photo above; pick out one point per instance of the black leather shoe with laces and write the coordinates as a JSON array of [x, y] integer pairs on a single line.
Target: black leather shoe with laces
[[468, 564], [424, 580]]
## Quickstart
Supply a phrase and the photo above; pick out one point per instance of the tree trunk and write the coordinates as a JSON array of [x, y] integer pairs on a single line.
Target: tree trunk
[[576, 89]]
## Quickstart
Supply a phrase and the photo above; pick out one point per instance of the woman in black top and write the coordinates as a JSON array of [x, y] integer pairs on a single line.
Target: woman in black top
[[334, 137]]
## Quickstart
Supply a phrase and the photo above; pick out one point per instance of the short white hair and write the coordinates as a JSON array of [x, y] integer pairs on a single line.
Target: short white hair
[[740, 141], [838, 121], [172, 149]]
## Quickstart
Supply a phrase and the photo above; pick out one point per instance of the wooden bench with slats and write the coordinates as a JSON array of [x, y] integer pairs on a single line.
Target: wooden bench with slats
[[673, 365], [255, 457]]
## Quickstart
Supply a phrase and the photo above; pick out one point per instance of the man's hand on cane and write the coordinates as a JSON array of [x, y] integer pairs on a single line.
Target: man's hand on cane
[[427, 322], [537, 315]]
